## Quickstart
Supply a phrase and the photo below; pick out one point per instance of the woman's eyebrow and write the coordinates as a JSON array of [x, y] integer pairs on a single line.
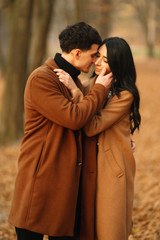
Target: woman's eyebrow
[[102, 55]]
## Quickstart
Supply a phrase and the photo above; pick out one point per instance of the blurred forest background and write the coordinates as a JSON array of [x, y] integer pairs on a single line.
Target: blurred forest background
[[29, 32]]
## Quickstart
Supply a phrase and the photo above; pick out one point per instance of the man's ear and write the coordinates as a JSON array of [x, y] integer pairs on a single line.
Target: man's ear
[[77, 52]]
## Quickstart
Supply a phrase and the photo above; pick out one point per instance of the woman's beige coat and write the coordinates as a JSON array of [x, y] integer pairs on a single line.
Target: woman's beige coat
[[115, 168]]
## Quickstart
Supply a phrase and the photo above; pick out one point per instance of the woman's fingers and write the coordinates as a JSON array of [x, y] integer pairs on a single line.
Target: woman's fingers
[[61, 80], [65, 78], [62, 74], [103, 72], [58, 70]]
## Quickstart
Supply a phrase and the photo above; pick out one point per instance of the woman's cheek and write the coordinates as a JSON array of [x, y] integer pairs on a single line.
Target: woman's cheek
[[108, 70]]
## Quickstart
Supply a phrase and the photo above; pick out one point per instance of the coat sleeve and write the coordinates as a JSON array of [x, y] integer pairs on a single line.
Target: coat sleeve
[[77, 95], [48, 99], [113, 111]]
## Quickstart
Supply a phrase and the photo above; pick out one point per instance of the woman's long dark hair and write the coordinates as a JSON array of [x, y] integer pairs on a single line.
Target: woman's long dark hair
[[121, 63]]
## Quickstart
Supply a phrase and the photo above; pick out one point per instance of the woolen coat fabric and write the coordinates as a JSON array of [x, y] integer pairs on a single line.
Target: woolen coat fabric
[[115, 167], [49, 165]]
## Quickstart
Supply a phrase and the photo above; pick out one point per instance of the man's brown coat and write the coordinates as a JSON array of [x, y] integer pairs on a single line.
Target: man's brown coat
[[50, 161]]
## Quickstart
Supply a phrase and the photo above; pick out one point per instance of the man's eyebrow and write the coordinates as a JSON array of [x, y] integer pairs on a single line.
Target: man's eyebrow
[[94, 54]]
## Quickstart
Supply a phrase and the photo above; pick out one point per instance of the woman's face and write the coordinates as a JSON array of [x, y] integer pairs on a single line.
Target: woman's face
[[101, 60]]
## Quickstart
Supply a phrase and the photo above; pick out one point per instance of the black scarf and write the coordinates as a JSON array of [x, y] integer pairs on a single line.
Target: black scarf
[[66, 66]]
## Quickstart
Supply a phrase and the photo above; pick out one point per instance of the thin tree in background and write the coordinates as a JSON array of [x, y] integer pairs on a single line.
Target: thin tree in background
[[80, 10], [3, 39], [98, 14], [148, 14], [105, 23], [42, 15]]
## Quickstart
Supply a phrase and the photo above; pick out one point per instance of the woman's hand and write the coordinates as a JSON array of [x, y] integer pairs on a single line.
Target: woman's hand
[[105, 80], [66, 79]]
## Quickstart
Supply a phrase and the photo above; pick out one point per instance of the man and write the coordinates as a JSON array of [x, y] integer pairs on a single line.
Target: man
[[50, 162]]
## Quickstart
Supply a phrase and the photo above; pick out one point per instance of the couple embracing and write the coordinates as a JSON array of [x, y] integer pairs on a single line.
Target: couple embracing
[[76, 167]]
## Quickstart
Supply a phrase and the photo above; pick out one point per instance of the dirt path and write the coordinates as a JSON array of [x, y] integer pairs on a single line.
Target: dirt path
[[146, 214]]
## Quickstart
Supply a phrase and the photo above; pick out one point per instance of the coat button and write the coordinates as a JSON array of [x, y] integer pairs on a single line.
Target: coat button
[[79, 163]]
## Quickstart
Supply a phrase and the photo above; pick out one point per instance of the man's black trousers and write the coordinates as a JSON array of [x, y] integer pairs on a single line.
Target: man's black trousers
[[23, 234]]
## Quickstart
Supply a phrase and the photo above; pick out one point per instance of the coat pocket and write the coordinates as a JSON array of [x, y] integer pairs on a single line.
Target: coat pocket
[[116, 170], [39, 160]]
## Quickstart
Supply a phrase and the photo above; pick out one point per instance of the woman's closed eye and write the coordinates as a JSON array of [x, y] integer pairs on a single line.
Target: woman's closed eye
[[105, 60], [98, 55]]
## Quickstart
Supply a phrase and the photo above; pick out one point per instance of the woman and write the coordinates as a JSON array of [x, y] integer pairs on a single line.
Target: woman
[[113, 125]]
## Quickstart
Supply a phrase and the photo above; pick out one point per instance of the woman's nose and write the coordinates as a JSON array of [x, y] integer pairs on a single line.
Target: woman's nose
[[98, 61]]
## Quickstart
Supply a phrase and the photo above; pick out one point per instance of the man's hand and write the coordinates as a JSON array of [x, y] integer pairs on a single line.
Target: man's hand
[[105, 80]]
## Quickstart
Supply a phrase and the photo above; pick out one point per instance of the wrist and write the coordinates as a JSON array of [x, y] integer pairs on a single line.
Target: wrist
[[74, 89]]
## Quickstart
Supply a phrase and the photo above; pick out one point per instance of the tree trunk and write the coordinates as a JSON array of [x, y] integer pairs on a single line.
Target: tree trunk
[[146, 12], [151, 36], [41, 22], [101, 10], [3, 41], [79, 10], [105, 17], [11, 122]]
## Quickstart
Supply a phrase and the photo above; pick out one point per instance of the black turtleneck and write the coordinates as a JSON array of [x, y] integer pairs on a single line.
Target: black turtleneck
[[66, 66]]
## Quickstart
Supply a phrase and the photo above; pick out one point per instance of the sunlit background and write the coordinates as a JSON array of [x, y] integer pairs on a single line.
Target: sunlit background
[[29, 32]]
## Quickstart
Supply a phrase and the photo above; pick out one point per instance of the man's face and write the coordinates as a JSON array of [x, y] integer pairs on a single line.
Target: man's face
[[87, 58]]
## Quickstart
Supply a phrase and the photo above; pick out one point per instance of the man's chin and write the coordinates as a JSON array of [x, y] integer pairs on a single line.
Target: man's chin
[[85, 70]]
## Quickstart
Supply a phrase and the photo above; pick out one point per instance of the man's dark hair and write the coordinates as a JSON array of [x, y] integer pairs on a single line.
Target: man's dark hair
[[80, 35]]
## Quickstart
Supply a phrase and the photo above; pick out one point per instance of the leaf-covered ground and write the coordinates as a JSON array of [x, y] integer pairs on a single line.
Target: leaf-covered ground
[[146, 212]]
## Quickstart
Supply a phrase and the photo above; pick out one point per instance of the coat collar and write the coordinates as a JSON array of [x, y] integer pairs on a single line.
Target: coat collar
[[51, 63]]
